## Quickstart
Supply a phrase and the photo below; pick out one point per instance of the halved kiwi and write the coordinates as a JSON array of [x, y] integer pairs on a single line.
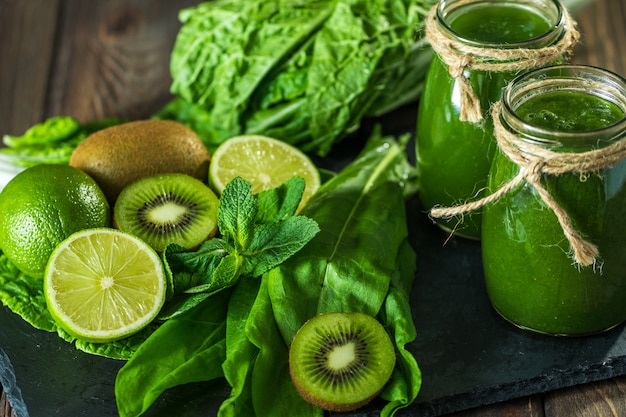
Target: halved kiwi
[[167, 208], [341, 361]]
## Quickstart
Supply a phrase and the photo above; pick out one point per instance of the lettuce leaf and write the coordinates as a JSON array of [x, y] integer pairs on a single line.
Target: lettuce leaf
[[24, 296], [51, 141], [302, 71]]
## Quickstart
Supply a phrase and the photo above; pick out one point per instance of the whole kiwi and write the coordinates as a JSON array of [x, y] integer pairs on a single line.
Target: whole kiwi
[[341, 361], [120, 155]]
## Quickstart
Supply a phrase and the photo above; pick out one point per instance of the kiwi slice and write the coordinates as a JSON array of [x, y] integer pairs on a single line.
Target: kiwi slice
[[167, 208], [341, 361]]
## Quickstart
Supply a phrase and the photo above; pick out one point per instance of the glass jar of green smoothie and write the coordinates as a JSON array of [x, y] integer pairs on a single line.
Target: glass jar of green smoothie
[[554, 236], [480, 46]]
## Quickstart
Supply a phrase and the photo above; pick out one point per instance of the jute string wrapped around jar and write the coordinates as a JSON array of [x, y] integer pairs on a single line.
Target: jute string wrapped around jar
[[534, 162], [459, 56]]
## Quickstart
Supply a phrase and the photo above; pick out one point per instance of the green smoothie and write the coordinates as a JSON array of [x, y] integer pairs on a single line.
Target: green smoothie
[[530, 277], [453, 157], [570, 111]]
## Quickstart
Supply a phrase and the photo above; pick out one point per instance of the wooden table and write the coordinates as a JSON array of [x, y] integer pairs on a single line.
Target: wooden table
[[95, 59]]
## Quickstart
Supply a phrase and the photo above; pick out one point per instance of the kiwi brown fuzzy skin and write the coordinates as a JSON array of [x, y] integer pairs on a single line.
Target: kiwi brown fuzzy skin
[[120, 155], [384, 345]]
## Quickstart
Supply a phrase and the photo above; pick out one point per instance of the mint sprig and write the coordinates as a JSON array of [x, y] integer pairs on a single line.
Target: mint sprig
[[257, 232]]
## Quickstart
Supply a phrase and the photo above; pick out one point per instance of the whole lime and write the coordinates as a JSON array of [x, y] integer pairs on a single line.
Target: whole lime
[[43, 205]]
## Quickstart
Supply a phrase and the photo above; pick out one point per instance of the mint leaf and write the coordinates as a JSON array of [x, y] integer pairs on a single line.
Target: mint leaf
[[275, 242], [279, 202], [258, 233], [237, 212], [227, 272], [193, 269]]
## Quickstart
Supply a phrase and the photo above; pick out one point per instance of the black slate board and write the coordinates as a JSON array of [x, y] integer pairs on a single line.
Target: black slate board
[[468, 354]]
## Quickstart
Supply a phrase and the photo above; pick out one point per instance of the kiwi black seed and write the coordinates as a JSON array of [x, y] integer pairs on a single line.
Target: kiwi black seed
[[167, 208], [341, 361]]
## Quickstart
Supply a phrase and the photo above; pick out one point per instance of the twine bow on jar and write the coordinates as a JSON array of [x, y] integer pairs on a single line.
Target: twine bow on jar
[[460, 56], [534, 162]]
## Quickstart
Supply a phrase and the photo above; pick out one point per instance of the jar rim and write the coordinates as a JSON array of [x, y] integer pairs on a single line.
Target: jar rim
[[603, 83], [552, 35]]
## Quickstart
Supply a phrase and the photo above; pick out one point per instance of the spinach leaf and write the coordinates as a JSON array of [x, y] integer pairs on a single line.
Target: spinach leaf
[[360, 260], [240, 352], [349, 264], [271, 367], [396, 315], [190, 348], [256, 363]]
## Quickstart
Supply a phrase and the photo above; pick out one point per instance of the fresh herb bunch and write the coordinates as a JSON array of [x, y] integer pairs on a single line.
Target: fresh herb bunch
[[257, 233], [302, 71]]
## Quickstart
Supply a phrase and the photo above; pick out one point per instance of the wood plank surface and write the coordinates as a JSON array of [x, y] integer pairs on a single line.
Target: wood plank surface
[[113, 58], [85, 59], [598, 399], [94, 59], [603, 35], [25, 61]]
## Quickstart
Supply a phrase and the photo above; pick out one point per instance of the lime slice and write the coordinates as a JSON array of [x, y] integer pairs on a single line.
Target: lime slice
[[265, 162], [102, 284]]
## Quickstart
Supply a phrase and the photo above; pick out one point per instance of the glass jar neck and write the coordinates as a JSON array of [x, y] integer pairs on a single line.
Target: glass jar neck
[[603, 85], [451, 13]]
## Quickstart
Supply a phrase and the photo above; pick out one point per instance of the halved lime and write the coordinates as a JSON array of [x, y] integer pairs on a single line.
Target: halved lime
[[263, 161], [102, 284]]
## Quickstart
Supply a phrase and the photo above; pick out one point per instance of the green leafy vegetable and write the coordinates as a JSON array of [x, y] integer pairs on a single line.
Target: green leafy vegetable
[[359, 261], [181, 359], [24, 296], [257, 233], [52, 130], [396, 315], [50, 142], [302, 71], [273, 233], [268, 372]]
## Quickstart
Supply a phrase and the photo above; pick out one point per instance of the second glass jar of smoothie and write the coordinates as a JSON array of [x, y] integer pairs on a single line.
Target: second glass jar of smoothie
[[554, 244], [454, 155]]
